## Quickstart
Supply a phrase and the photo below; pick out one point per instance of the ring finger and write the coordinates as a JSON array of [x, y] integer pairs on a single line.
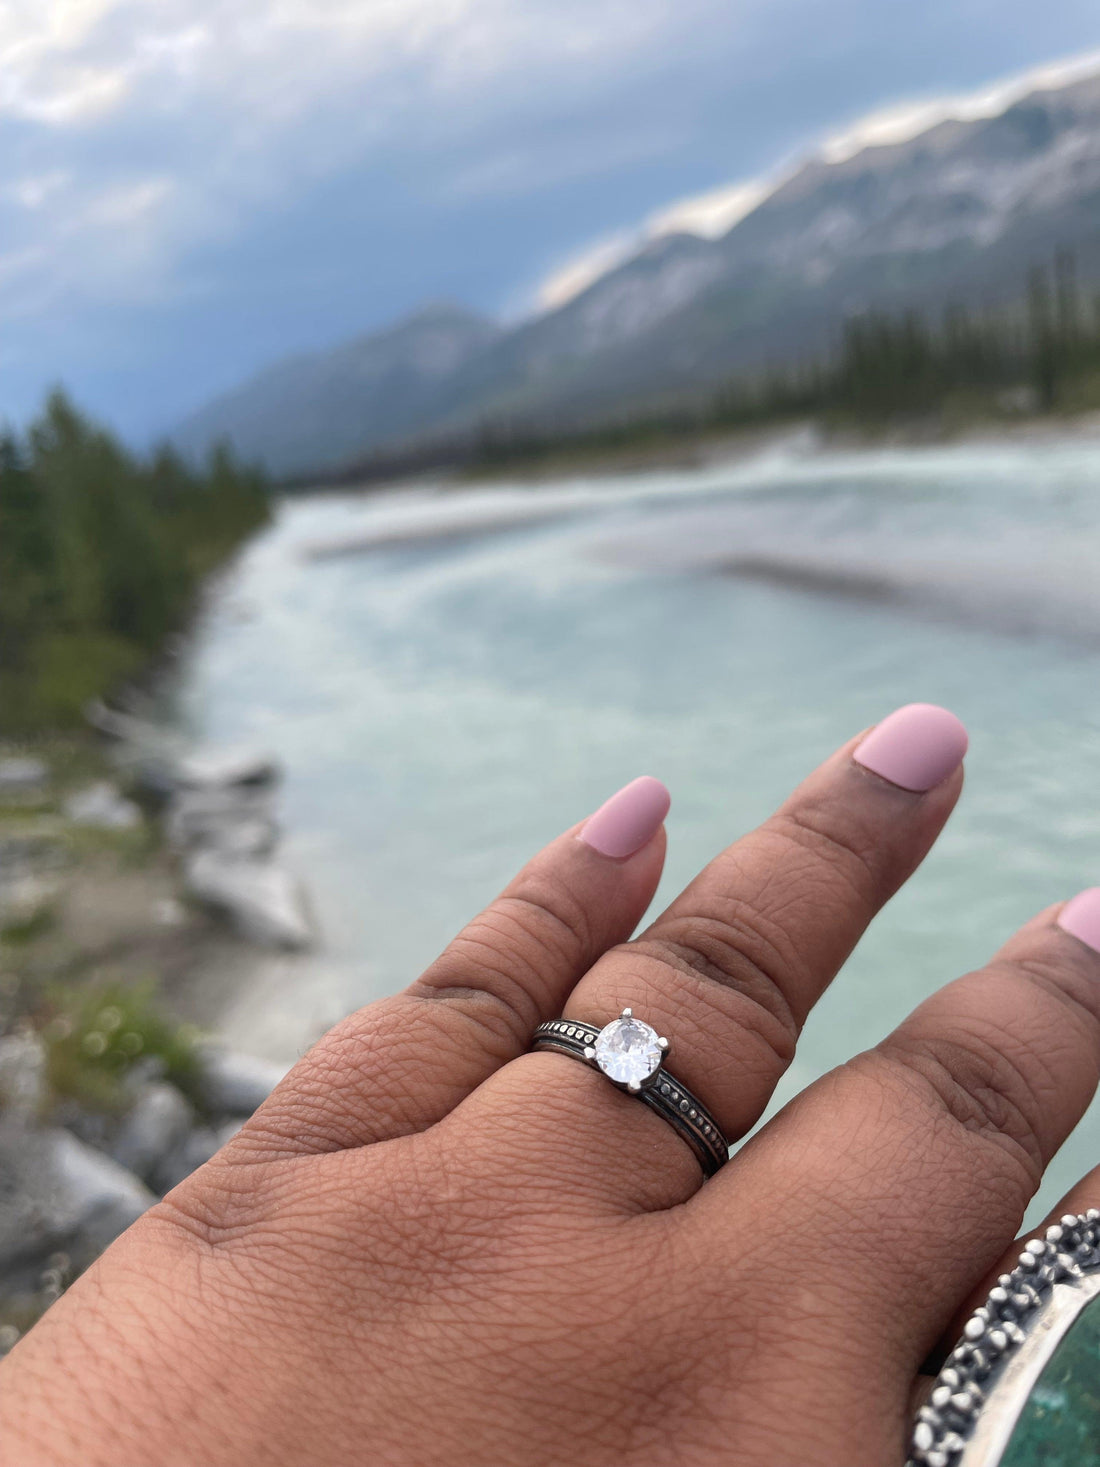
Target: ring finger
[[730, 971]]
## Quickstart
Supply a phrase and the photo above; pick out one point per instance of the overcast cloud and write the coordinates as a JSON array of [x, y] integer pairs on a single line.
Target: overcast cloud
[[191, 188]]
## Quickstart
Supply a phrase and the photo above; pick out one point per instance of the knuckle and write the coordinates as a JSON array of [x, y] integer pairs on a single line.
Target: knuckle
[[360, 1081], [853, 852], [986, 1081], [502, 960], [743, 957], [220, 1204], [1054, 975]]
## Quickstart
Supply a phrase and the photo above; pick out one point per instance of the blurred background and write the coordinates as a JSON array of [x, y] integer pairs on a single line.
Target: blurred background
[[423, 416]]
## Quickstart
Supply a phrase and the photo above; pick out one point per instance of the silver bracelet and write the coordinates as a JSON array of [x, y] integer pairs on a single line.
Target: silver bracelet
[[1022, 1387]]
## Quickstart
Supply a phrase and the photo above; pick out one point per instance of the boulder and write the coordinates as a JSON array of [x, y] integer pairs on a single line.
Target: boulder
[[157, 1122], [27, 899], [265, 902], [126, 727], [195, 1150], [55, 1191], [160, 761], [20, 775], [235, 1084], [22, 1077], [237, 821], [215, 768], [103, 807]]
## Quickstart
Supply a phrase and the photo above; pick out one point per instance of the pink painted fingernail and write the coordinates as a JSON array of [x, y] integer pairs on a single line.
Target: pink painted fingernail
[[1081, 917], [629, 820], [917, 747]]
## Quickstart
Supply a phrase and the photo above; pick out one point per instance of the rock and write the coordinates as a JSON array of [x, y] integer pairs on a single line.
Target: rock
[[151, 776], [27, 901], [169, 912], [55, 1191], [160, 762], [194, 1150], [103, 1197], [100, 805], [123, 726], [236, 1084], [22, 1076], [237, 821], [263, 901], [156, 1123], [222, 768], [23, 775], [217, 813]]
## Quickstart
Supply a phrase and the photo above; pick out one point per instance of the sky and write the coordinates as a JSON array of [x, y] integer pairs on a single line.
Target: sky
[[192, 189]]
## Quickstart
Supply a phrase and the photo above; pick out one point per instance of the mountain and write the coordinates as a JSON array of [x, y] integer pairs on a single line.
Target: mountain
[[315, 411], [957, 213]]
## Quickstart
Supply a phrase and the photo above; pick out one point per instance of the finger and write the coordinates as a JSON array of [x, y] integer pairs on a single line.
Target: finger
[[922, 1155], [401, 1064], [729, 972]]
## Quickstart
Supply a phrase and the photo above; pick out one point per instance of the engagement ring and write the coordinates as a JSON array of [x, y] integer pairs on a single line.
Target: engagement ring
[[631, 1054]]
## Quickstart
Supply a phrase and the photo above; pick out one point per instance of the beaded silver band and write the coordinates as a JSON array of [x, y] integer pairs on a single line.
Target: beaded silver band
[[671, 1100], [978, 1396]]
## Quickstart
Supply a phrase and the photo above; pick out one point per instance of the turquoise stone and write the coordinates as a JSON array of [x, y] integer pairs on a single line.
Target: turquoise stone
[[1060, 1424]]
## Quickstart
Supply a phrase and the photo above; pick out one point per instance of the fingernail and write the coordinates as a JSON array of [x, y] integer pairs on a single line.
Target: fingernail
[[917, 747], [629, 820], [1081, 917]]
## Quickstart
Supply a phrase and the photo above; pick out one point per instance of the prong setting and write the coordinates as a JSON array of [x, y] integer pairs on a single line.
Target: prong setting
[[629, 1053]]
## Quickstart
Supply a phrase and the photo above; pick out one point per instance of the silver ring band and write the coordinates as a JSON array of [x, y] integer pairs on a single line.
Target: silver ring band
[[671, 1100]]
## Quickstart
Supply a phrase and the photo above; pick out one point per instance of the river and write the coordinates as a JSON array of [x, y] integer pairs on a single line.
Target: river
[[452, 676]]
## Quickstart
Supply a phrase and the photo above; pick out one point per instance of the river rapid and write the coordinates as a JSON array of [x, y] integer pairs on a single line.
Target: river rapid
[[451, 676]]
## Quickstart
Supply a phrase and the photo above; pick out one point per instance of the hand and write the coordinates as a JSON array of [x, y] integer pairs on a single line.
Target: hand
[[431, 1248]]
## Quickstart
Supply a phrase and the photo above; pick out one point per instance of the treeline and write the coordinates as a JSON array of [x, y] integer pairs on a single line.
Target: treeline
[[1040, 354], [101, 554]]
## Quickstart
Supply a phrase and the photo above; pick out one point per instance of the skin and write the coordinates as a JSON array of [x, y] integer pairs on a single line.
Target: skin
[[432, 1247]]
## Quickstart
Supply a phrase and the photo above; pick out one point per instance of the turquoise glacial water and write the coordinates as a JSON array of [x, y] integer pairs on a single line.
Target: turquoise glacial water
[[452, 677]]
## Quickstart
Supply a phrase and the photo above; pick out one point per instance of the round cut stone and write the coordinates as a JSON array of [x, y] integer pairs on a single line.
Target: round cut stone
[[627, 1051]]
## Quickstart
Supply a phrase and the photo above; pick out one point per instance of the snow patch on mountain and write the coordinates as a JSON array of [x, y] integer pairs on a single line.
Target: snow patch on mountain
[[718, 210]]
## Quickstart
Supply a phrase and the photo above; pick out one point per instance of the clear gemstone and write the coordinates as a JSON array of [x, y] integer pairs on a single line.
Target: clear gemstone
[[627, 1051]]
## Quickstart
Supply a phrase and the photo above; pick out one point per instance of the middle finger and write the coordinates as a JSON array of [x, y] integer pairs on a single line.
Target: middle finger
[[731, 969]]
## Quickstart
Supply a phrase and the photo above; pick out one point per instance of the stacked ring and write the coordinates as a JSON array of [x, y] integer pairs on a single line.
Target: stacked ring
[[631, 1054]]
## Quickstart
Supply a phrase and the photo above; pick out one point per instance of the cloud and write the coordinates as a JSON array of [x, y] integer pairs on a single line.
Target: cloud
[[132, 132], [63, 62], [35, 190], [189, 188]]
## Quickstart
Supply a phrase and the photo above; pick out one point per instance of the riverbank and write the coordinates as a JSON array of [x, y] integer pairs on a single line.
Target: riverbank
[[708, 448], [135, 880], [112, 969], [104, 555]]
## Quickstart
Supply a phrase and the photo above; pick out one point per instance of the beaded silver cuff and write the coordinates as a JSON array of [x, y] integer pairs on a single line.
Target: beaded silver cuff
[[1012, 1390]]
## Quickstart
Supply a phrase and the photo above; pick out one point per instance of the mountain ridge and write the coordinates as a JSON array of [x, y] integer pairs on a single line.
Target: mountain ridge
[[956, 212]]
